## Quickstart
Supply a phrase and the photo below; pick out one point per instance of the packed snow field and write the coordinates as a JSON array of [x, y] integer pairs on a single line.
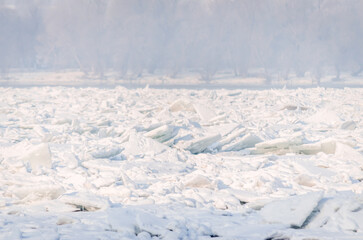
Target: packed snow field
[[89, 163]]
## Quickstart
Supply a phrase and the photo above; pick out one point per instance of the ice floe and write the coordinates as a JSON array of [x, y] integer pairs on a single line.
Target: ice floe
[[201, 144], [293, 211], [88, 163], [38, 156]]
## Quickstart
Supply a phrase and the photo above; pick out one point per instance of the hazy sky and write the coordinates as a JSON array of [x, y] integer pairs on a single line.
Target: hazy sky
[[172, 36]]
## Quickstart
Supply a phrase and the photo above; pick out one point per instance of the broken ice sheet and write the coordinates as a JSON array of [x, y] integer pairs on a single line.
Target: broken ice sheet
[[162, 133], [292, 211], [85, 201], [38, 156], [201, 144], [139, 145], [161, 189]]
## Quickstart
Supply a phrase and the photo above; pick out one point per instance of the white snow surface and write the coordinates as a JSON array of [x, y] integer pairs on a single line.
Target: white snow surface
[[91, 163]]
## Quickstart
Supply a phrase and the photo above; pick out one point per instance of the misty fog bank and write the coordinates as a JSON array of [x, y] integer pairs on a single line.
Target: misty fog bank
[[134, 37]]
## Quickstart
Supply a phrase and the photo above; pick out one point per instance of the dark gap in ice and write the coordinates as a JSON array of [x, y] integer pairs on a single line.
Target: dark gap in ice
[[214, 236], [324, 223], [357, 209], [227, 214], [277, 237], [242, 202], [295, 227], [154, 235], [313, 214], [81, 208], [138, 230]]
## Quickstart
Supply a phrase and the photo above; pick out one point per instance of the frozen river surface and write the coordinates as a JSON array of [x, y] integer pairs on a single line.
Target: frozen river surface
[[88, 163]]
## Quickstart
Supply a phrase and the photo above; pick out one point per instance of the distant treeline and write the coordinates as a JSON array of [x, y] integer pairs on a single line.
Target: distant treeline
[[132, 37]]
